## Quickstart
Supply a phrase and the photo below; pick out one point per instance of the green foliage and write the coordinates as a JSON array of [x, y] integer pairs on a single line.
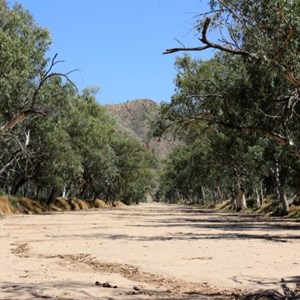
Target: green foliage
[[53, 140], [247, 94], [23, 46], [133, 162]]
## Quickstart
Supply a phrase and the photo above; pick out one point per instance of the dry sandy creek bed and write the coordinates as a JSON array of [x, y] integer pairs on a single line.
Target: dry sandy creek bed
[[149, 251]]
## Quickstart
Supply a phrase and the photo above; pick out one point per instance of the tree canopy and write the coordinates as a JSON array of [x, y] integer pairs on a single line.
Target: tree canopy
[[55, 140], [236, 115], [248, 93]]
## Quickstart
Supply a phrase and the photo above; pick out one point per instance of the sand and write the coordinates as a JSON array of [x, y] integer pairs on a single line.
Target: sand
[[149, 251]]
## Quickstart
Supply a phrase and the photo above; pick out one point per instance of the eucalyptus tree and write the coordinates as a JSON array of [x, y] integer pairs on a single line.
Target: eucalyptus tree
[[135, 164], [186, 174], [91, 128], [50, 158], [53, 139], [252, 83], [29, 87]]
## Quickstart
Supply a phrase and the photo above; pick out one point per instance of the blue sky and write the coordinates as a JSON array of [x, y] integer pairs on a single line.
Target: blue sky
[[118, 44]]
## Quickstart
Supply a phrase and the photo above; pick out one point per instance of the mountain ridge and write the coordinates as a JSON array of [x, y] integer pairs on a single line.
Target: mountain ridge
[[135, 117]]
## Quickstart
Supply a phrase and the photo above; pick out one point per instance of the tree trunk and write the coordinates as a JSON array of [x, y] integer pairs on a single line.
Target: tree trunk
[[64, 192], [76, 190], [178, 196], [258, 198], [233, 202], [219, 194], [241, 199], [17, 184], [53, 195], [261, 194], [284, 202], [281, 197], [203, 194], [214, 196]]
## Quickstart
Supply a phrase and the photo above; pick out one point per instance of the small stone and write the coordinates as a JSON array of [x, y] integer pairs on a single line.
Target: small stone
[[106, 285]]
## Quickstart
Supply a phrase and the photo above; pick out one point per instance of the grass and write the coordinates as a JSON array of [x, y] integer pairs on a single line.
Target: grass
[[22, 205], [17, 204], [5, 206], [31, 206], [83, 204], [269, 207], [294, 211], [62, 203], [225, 205], [99, 204]]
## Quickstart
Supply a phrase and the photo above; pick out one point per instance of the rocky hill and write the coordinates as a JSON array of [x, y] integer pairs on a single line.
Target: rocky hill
[[135, 116]]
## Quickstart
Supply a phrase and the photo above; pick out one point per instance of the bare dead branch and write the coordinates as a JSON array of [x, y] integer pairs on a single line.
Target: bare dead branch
[[172, 50], [21, 113], [179, 42], [48, 75], [210, 12], [209, 44]]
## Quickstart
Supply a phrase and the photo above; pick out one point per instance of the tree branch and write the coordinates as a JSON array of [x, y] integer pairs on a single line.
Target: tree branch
[[14, 121], [172, 50], [278, 138], [19, 117], [48, 75], [13, 160], [23, 112], [209, 44]]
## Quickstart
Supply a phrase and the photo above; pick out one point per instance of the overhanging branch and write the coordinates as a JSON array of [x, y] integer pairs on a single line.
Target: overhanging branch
[[208, 44], [21, 113], [278, 138]]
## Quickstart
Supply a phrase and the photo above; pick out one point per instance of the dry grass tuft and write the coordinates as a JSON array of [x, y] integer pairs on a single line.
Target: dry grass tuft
[[99, 204], [269, 207], [5, 206], [115, 203], [118, 204], [31, 206], [54, 208], [294, 211], [74, 204], [224, 205], [83, 204], [62, 203]]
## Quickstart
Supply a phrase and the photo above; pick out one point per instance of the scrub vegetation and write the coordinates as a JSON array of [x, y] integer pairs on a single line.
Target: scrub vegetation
[[230, 133]]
